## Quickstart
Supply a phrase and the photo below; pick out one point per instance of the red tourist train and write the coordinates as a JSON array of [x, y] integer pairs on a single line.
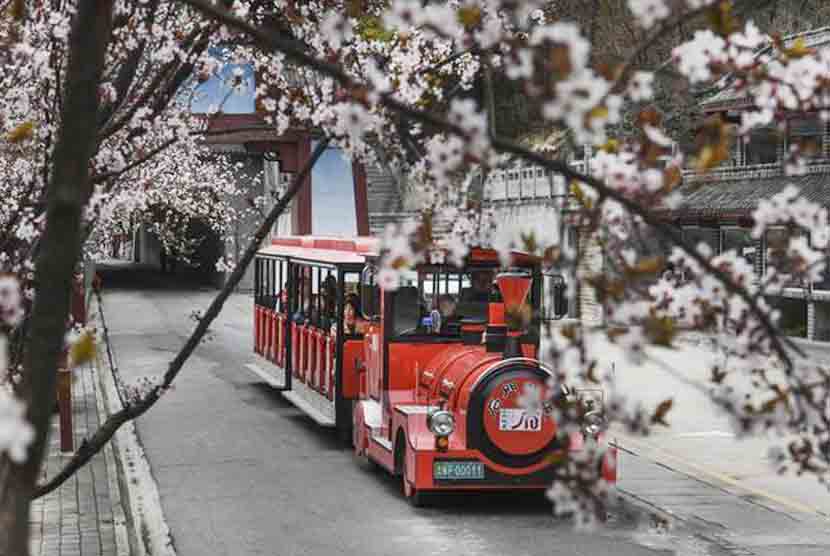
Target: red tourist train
[[426, 380]]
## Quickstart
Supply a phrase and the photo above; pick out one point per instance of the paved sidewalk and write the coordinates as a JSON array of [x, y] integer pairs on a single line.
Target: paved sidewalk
[[739, 522], [83, 516]]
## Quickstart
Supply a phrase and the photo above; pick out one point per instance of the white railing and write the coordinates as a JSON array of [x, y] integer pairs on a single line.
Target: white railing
[[753, 171], [526, 182]]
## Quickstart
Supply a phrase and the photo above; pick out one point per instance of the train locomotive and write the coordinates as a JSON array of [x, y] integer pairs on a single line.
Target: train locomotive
[[436, 379]]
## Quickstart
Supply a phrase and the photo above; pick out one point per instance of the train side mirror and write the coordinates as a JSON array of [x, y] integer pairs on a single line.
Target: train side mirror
[[554, 297], [369, 293]]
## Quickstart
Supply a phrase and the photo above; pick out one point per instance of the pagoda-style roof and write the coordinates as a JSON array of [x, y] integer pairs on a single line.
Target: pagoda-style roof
[[241, 129], [736, 199], [736, 99]]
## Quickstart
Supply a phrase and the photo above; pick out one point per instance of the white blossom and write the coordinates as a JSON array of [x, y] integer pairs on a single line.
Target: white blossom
[[16, 433], [649, 12], [640, 88]]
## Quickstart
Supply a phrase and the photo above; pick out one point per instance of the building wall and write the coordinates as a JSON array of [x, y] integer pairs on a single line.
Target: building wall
[[591, 263]]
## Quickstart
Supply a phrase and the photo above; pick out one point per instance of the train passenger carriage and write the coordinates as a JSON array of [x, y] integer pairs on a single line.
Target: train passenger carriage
[[433, 380]]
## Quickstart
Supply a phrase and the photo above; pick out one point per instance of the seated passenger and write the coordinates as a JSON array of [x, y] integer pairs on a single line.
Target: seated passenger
[[449, 317], [282, 301], [353, 323], [329, 300], [303, 313]]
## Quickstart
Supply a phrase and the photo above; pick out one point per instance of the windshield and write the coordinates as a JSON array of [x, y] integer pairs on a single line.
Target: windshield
[[434, 300]]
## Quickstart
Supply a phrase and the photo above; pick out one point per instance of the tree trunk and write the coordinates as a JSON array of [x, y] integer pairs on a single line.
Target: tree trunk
[[68, 190]]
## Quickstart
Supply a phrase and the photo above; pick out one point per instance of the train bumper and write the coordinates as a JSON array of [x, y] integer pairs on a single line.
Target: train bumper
[[469, 470]]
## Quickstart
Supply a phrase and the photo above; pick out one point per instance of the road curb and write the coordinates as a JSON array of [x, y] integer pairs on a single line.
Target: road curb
[[145, 527], [714, 479], [114, 472]]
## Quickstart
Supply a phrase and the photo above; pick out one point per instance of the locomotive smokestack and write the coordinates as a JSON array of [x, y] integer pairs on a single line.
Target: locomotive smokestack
[[514, 287]]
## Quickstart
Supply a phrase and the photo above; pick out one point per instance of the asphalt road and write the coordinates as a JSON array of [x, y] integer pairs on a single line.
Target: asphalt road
[[242, 472]]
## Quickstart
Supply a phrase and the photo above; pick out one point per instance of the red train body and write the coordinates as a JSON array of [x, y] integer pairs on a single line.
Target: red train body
[[449, 405]]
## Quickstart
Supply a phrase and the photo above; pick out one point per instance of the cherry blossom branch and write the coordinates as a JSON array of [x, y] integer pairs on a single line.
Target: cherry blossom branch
[[100, 178], [449, 60], [295, 51], [177, 72], [91, 446]]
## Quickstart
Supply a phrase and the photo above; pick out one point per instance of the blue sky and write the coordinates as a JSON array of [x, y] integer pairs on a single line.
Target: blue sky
[[332, 195], [215, 89]]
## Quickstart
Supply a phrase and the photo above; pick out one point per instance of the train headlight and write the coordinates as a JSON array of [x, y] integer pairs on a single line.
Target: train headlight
[[592, 423], [441, 423]]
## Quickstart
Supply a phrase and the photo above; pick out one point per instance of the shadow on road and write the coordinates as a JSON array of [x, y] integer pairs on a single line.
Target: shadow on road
[[118, 275]]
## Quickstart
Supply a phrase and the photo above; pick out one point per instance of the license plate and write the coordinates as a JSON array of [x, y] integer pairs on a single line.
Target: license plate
[[519, 420], [457, 470]]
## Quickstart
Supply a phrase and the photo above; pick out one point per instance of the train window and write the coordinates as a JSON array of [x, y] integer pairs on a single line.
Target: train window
[[353, 323], [315, 300], [270, 277], [449, 292]]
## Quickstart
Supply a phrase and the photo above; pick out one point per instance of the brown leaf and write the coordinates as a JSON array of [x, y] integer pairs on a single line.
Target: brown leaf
[[21, 133], [672, 176], [569, 332], [580, 195], [354, 8], [713, 141], [555, 457], [659, 417], [560, 61], [651, 265], [721, 19], [649, 116], [660, 330], [469, 16], [591, 374], [611, 146], [614, 332], [17, 9], [798, 49]]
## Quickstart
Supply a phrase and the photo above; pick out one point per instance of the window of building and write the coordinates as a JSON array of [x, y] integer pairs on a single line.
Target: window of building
[[761, 146], [696, 235], [777, 244], [807, 133], [740, 240]]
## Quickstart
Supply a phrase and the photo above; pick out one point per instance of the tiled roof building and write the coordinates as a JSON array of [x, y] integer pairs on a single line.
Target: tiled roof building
[[717, 206]]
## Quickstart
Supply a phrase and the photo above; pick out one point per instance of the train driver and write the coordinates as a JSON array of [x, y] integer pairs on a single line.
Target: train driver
[[447, 306], [473, 301]]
